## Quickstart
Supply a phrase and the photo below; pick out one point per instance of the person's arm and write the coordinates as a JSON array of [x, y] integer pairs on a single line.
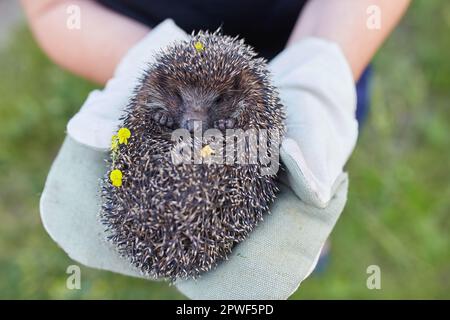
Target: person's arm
[[94, 50], [344, 22]]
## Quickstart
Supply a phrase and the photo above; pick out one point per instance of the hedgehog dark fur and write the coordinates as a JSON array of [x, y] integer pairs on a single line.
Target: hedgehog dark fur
[[177, 221]]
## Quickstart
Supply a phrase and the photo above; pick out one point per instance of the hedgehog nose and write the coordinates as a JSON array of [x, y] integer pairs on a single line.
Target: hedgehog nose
[[194, 124]]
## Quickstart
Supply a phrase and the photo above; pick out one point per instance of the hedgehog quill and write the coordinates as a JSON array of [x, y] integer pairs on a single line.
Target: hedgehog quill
[[178, 220]]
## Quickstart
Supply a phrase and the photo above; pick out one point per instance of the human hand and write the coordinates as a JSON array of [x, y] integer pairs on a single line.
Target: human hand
[[296, 229]]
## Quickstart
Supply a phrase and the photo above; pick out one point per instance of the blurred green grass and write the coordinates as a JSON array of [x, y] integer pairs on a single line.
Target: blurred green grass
[[397, 216]]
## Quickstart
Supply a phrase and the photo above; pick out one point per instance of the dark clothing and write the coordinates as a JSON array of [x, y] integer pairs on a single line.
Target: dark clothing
[[363, 95], [264, 24]]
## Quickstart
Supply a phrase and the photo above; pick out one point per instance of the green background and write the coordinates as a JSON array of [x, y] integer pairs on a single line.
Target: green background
[[397, 216]]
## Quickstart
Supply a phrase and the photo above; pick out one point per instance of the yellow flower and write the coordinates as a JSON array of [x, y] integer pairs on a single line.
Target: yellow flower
[[206, 151], [199, 46], [114, 142], [123, 135], [116, 177]]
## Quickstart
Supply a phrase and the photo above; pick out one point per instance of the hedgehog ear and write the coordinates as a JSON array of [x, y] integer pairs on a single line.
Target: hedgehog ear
[[240, 81]]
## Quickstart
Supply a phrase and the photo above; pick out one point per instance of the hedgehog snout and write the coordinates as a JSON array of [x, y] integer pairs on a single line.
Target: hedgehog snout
[[194, 124]]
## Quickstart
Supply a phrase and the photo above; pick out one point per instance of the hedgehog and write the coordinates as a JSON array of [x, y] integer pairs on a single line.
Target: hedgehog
[[178, 220]]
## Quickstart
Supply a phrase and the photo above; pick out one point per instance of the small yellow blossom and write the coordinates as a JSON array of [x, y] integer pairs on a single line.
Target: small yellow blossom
[[123, 135], [199, 46], [116, 177], [206, 151]]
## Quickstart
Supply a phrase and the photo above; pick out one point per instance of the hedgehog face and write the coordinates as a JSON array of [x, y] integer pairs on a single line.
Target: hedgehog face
[[212, 88], [218, 108], [201, 107], [187, 105]]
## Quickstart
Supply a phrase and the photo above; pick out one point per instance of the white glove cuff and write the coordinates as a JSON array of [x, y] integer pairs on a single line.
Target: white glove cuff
[[317, 87], [98, 118]]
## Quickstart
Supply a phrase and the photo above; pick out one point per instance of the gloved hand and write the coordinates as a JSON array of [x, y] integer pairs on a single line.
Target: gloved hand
[[283, 249], [317, 89]]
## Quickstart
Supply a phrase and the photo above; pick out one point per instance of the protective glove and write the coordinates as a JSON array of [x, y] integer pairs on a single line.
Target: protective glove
[[316, 87], [278, 254]]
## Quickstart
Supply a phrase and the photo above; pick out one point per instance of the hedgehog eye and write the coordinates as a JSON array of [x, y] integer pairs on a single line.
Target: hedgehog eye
[[177, 98], [218, 99]]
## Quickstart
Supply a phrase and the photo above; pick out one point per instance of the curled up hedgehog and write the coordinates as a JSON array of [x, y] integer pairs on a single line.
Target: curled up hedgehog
[[176, 219]]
